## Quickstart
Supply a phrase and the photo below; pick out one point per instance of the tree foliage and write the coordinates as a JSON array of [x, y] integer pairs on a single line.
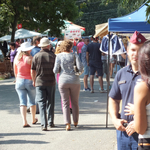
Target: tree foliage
[[97, 12], [36, 15], [93, 12]]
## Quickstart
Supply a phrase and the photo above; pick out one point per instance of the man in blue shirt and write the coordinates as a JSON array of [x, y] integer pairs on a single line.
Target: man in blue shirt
[[36, 49], [84, 62], [93, 56], [123, 89]]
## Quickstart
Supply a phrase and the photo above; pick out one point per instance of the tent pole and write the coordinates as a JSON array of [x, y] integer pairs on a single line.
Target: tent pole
[[108, 83]]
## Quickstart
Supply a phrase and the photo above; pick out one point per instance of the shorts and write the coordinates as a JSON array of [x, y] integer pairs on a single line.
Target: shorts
[[86, 70], [104, 66], [113, 60], [94, 68], [25, 91]]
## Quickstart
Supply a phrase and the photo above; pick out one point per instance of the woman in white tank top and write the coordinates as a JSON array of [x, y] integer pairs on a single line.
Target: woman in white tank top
[[141, 109]]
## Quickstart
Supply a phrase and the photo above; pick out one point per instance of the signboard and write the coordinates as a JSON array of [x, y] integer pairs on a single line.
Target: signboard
[[73, 33], [19, 26]]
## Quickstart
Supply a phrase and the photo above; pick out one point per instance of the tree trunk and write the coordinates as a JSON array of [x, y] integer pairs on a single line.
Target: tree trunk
[[14, 24]]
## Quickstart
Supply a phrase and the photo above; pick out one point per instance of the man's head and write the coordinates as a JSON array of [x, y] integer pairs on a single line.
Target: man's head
[[135, 44], [36, 40], [45, 43], [86, 41]]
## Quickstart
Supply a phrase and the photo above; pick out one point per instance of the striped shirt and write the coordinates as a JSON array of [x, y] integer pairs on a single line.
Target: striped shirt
[[43, 64]]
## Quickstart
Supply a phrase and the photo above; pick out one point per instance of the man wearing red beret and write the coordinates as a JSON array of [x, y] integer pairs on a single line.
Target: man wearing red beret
[[123, 89]]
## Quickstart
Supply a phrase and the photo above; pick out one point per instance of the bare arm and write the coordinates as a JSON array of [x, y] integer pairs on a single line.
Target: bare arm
[[33, 75], [113, 111], [15, 67], [87, 58], [123, 56], [141, 96]]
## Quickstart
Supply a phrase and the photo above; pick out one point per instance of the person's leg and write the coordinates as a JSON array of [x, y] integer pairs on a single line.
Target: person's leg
[[23, 111], [100, 79], [64, 92], [80, 56], [31, 98], [92, 82], [85, 81], [50, 104], [22, 94], [74, 93], [92, 73], [41, 97]]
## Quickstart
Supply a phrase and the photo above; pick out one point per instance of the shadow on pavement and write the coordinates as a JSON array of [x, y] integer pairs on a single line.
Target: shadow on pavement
[[22, 142]]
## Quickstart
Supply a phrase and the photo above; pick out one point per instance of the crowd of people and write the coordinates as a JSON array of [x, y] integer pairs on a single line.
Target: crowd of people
[[36, 66]]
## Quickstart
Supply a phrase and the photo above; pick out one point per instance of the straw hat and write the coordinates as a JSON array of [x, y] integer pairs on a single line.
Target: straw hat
[[44, 42]]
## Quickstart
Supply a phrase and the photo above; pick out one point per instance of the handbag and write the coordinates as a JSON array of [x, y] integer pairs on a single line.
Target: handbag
[[76, 70]]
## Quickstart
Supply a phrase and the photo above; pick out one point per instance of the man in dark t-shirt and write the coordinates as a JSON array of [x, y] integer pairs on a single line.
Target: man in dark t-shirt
[[44, 81], [93, 56]]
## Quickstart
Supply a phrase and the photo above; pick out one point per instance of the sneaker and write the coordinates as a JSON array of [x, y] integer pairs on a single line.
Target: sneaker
[[92, 91], [85, 90], [103, 91], [88, 89]]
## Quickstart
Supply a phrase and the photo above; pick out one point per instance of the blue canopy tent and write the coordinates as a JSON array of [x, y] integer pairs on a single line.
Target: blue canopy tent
[[131, 22], [127, 24]]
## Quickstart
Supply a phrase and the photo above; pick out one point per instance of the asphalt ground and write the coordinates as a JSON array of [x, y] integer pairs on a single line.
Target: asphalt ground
[[91, 134]]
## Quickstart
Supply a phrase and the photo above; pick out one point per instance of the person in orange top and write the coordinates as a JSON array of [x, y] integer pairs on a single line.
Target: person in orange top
[[24, 85]]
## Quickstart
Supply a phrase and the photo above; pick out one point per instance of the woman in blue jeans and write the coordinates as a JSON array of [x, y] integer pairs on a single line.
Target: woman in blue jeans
[[24, 87]]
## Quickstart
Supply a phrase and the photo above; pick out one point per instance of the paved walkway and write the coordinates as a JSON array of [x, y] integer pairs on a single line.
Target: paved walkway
[[91, 134]]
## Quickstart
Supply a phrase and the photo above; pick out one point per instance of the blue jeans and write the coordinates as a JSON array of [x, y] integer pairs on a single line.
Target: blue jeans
[[125, 142], [74, 49], [25, 90], [80, 56], [45, 95]]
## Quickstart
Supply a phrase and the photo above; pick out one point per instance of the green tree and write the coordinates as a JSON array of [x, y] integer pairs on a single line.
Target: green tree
[[36, 15], [97, 12]]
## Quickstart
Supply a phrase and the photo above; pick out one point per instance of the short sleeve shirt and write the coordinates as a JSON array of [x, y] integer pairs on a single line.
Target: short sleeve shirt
[[123, 88], [94, 54], [43, 64], [80, 45], [35, 50]]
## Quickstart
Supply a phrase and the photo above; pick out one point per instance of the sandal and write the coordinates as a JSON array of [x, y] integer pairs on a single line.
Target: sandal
[[26, 126], [36, 120]]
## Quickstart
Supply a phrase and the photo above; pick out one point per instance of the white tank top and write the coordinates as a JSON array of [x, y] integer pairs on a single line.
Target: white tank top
[[147, 133]]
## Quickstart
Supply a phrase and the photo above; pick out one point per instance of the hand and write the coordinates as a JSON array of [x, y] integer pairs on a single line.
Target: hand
[[118, 123], [33, 83], [87, 64], [129, 109], [130, 128]]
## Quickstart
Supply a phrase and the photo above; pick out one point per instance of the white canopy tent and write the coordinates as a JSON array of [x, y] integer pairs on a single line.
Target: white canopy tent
[[21, 34]]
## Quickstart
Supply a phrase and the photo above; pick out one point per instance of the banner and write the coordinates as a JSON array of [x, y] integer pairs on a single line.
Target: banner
[[73, 33]]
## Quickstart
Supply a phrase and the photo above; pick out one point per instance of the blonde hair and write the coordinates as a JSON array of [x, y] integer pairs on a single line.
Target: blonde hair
[[23, 53], [66, 45], [58, 50]]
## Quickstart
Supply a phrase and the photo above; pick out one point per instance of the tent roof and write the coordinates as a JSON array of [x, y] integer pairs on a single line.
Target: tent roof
[[131, 22], [21, 34], [101, 30]]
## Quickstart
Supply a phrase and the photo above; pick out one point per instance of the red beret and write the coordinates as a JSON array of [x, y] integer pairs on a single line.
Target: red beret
[[137, 38]]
